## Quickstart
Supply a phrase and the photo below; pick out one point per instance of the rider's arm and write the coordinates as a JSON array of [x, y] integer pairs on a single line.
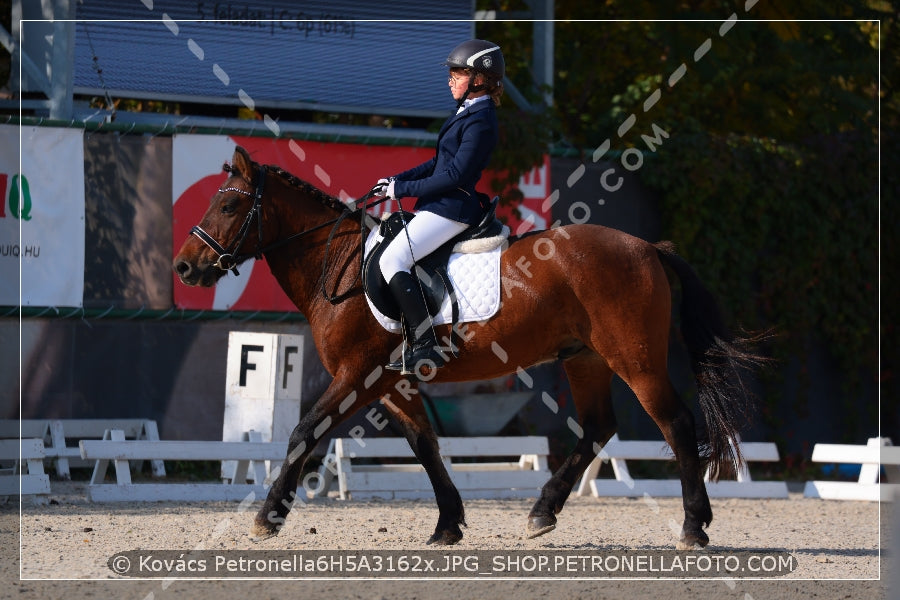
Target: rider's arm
[[463, 169]]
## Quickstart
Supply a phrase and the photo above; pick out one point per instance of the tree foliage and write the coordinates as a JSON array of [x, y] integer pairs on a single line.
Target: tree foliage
[[769, 181]]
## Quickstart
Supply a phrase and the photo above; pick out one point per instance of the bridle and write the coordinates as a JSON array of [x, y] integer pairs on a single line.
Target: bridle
[[228, 258]]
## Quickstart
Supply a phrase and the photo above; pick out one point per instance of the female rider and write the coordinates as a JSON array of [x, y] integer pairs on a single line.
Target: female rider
[[444, 186]]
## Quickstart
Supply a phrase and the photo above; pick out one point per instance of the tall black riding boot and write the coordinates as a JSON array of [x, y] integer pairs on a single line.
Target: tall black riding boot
[[422, 344]]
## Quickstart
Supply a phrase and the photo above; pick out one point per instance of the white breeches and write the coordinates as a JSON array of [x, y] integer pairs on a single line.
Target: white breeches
[[427, 232]]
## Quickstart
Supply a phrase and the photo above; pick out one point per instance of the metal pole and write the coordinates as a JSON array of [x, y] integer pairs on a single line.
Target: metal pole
[[542, 58], [62, 63]]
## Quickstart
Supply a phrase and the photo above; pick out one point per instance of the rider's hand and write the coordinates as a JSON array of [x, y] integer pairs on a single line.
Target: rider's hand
[[385, 187], [389, 192]]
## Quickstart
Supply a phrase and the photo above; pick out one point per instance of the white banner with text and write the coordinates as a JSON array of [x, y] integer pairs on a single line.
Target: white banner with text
[[41, 216]]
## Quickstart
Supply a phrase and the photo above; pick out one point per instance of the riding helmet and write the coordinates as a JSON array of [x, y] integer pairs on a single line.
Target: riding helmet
[[480, 55]]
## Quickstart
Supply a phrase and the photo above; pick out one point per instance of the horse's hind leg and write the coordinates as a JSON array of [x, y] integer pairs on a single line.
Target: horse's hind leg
[[674, 418], [411, 416], [635, 343], [590, 379]]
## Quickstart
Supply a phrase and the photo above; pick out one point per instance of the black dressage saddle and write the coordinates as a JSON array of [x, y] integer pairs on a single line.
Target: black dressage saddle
[[431, 270]]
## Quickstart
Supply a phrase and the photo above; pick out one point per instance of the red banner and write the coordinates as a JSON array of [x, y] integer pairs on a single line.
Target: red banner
[[343, 170]]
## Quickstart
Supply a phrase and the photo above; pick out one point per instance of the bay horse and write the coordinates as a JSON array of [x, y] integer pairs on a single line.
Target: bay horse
[[595, 298]]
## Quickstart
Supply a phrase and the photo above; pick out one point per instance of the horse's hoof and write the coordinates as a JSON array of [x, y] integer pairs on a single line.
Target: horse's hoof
[[692, 541], [444, 538], [259, 532], [540, 525]]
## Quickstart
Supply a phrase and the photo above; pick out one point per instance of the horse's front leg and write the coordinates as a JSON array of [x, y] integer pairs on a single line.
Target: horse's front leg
[[340, 401], [410, 414]]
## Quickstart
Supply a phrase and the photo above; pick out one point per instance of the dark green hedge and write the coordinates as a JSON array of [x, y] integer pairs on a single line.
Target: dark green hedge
[[787, 236]]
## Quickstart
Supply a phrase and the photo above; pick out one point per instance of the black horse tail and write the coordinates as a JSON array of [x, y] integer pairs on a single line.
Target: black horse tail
[[720, 362]]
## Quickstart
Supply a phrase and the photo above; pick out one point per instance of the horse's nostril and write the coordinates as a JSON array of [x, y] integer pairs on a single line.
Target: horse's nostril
[[182, 267]]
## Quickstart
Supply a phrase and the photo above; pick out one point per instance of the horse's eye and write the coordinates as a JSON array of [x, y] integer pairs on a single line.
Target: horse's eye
[[229, 206]]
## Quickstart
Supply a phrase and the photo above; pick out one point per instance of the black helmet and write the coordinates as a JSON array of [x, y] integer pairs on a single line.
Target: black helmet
[[480, 55]]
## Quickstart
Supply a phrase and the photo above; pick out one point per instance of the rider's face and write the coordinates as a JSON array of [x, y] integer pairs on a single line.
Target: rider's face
[[458, 81]]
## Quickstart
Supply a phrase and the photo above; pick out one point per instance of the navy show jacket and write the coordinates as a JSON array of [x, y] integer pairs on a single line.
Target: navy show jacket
[[445, 185]]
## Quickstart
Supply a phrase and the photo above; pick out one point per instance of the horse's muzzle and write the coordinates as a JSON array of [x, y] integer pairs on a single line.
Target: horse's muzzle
[[194, 275]]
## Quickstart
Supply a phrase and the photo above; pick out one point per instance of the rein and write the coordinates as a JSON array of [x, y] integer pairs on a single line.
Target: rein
[[336, 298], [228, 258]]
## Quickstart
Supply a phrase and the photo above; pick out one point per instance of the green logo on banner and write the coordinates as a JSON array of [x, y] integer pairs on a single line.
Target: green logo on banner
[[20, 207]]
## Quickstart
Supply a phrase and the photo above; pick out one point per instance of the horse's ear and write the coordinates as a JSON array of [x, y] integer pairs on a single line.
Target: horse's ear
[[242, 164]]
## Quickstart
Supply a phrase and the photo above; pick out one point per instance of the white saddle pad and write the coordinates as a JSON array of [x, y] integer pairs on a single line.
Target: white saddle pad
[[476, 280]]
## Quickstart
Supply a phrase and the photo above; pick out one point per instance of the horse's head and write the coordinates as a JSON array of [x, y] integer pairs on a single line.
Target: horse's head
[[231, 228]]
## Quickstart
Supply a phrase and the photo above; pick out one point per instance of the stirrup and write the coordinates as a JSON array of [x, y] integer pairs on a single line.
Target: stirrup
[[397, 365], [431, 364], [426, 353], [412, 356]]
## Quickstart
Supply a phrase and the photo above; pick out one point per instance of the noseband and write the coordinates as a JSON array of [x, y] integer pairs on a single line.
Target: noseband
[[228, 258]]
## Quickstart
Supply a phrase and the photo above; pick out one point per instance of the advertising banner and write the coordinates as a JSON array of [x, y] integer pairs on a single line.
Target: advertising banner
[[342, 170], [42, 216]]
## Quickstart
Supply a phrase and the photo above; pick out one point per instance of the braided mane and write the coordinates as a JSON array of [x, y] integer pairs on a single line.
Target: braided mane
[[326, 199]]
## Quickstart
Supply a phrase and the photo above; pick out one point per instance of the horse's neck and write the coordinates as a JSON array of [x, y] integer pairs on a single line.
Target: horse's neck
[[298, 265]]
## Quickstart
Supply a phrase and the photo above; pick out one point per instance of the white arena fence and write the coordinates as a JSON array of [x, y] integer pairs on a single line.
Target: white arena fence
[[481, 467]]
